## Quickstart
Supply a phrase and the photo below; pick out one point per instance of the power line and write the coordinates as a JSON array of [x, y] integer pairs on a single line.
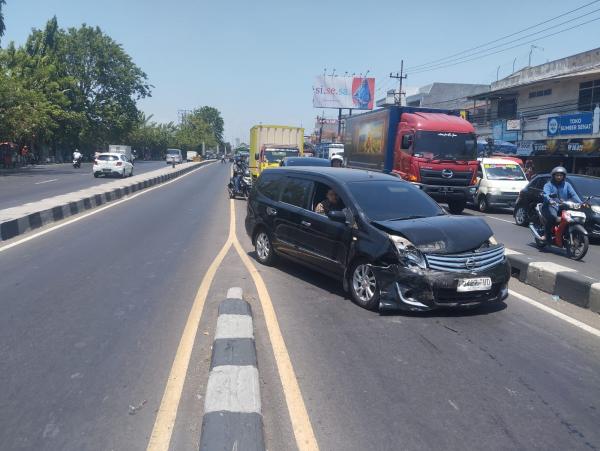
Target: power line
[[518, 39], [503, 37], [508, 48]]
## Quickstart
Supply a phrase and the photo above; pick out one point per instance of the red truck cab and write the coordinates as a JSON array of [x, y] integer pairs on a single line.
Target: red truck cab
[[438, 152]]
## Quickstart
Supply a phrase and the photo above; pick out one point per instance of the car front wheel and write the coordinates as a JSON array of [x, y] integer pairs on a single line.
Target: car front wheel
[[363, 286], [521, 217]]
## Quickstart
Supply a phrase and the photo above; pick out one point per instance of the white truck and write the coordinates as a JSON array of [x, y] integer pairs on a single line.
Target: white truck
[[119, 148]]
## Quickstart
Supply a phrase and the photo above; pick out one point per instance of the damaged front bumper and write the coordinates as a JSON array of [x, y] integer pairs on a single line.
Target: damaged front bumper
[[426, 289]]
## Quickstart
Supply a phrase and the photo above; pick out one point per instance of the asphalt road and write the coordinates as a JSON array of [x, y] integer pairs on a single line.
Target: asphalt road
[[508, 377], [36, 183], [520, 239], [93, 313]]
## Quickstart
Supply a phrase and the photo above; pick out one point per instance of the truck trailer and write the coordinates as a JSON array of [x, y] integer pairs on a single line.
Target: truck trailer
[[434, 149], [269, 144]]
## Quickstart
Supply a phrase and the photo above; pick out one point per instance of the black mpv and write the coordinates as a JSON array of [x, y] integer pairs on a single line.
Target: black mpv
[[390, 244]]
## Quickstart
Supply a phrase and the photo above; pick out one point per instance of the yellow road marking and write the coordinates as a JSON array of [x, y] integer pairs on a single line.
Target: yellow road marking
[[303, 431], [160, 438], [167, 412]]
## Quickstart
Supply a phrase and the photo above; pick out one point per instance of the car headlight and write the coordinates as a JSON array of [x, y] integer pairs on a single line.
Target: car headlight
[[596, 209], [492, 240], [408, 253]]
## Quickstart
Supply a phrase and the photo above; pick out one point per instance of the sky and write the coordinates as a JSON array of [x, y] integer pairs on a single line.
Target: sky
[[256, 61]]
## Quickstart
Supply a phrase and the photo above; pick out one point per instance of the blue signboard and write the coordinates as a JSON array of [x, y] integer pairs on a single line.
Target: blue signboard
[[571, 124]]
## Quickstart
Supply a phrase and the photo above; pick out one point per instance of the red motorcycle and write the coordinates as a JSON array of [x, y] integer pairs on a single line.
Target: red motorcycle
[[568, 234]]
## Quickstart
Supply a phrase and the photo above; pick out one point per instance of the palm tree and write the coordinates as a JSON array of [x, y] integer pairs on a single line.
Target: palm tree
[[2, 26]]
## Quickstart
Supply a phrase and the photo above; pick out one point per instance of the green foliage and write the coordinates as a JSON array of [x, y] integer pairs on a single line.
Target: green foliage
[[69, 88], [78, 88], [213, 118]]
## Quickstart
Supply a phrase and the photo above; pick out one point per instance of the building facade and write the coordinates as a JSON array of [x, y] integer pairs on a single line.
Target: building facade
[[551, 112]]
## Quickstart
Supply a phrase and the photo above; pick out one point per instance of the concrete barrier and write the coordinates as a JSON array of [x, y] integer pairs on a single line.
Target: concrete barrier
[[566, 283], [232, 408], [22, 219]]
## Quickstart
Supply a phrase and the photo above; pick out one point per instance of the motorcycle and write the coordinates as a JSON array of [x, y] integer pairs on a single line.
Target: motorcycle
[[245, 185], [77, 163], [569, 234]]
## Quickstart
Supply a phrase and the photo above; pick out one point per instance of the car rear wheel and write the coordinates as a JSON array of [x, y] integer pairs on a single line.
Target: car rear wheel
[[96, 175], [264, 248], [521, 217], [364, 288]]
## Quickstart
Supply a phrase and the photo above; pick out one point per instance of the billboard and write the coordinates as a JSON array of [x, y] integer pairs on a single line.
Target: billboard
[[357, 93]]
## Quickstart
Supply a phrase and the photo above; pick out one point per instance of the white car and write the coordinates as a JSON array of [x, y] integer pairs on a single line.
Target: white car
[[112, 163], [500, 181]]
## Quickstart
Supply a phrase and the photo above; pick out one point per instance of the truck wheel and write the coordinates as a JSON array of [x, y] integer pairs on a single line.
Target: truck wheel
[[456, 207], [482, 204]]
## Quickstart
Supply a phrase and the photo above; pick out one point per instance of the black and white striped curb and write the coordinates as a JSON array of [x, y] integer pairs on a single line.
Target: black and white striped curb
[[19, 220], [559, 280], [232, 409]]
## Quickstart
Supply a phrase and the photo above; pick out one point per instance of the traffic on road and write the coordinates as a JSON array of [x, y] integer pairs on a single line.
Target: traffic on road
[[415, 268]]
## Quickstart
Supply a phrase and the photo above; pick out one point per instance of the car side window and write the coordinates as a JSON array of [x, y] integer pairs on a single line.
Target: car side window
[[296, 192], [320, 195], [269, 185]]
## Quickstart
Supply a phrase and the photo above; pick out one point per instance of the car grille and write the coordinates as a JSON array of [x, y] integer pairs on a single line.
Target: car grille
[[509, 194], [472, 261], [434, 177]]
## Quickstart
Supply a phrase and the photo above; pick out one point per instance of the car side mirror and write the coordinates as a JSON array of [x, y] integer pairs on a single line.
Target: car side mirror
[[407, 141], [337, 216]]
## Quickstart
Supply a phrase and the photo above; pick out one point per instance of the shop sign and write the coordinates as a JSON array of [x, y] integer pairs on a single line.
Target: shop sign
[[570, 124]]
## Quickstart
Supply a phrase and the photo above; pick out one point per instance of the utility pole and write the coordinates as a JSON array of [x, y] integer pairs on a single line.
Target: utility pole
[[399, 76]]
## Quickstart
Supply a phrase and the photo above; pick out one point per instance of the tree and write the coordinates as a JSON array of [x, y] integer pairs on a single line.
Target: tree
[[2, 26], [108, 83], [193, 131], [213, 118], [78, 87]]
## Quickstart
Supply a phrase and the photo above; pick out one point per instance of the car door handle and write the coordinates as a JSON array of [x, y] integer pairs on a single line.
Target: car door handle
[[305, 223], [271, 211]]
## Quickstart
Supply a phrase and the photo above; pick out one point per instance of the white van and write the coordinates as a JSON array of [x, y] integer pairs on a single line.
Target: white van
[[174, 155], [500, 181]]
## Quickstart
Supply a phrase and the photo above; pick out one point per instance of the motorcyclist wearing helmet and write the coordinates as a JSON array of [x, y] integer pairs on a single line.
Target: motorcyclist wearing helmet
[[337, 161], [556, 189]]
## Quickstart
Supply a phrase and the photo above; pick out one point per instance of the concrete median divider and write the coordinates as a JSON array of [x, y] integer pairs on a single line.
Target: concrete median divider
[[232, 408], [566, 283], [28, 217]]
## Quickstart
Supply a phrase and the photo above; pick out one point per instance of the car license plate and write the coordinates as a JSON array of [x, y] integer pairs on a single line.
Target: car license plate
[[106, 169], [478, 284]]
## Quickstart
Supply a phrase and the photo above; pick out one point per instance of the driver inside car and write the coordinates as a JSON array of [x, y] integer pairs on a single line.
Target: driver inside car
[[330, 203]]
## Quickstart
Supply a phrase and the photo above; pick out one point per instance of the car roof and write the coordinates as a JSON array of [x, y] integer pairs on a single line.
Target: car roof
[[497, 160], [307, 160], [342, 175]]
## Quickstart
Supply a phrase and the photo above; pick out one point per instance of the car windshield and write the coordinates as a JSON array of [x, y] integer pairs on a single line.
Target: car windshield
[[276, 155], [585, 186], [172, 152], [445, 145], [392, 200], [501, 171], [108, 157]]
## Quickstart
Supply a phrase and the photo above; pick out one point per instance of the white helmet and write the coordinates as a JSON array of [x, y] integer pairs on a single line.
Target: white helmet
[[338, 158]]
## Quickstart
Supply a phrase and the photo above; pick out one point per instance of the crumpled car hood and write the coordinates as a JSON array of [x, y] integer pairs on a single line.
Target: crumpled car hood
[[444, 234]]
